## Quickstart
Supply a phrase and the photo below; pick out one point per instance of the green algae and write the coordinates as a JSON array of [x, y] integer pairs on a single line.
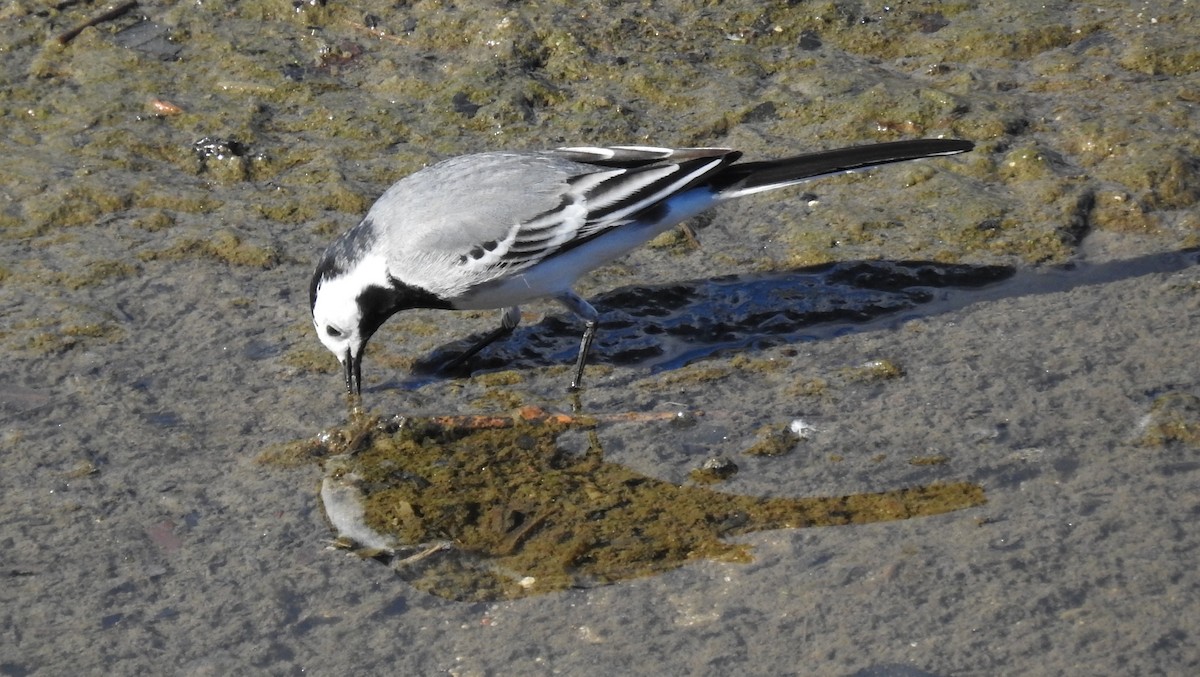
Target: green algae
[[69, 336], [872, 371], [310, 357], [697, 375], [496, 398], [154, 220], [99, 272], [78, 203], [1118, 211], [809, 386], [937, 459], [182, 201], [1161, 55], [690, 376], [507, 377], [1167, 179], [223, 245], [511, 511]]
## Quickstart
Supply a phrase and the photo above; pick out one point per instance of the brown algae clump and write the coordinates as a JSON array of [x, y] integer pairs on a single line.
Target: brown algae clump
[[774, 440], [873, 371], [1174, 418], [511, 513], [713, 470]]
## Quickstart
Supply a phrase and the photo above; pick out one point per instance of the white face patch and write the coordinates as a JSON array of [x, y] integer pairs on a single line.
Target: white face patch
[[336, 315]]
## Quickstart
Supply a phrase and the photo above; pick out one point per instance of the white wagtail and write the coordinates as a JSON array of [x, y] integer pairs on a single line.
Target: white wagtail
[[495, 230]]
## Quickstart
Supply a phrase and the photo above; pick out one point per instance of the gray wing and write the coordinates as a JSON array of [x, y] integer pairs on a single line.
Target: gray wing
[[487, 215]]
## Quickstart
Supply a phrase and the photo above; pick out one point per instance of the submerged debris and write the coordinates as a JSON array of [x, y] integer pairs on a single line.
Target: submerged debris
[[715, 469], [108, 15], [777, 440], [1174, 418], [525, 516]]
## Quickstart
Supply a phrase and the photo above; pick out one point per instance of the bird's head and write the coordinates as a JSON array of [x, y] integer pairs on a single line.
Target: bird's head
[[349, 302], [351, 297]]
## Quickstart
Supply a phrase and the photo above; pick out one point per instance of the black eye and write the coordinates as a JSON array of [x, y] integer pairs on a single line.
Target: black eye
[[333, 331]]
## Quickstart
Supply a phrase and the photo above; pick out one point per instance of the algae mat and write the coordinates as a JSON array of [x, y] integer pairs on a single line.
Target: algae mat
[[484, 508]]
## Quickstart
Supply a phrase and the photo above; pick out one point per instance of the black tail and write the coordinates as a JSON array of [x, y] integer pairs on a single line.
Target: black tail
[[753, 177]]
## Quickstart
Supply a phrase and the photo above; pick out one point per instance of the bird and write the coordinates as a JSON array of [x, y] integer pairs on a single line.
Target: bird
[[497, 229]]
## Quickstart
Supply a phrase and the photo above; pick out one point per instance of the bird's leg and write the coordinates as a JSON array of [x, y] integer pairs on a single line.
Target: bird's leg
[[590, 317], [509, 319], [585, 344]]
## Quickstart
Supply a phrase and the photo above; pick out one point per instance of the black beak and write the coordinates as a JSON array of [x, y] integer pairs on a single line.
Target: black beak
[[353, 365]]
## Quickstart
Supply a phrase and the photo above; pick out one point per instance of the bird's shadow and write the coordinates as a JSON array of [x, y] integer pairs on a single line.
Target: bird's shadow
[[665, 327]]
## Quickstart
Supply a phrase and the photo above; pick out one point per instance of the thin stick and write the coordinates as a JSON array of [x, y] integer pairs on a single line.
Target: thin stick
[[382, 35], [427, 552], [539, 415], [109, 15]]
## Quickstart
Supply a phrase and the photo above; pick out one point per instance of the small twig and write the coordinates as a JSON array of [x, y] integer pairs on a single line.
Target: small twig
[[427, 552], [109, 15], [518, 537], [690, 235], [539, 415], [382, 35], [644, 416]]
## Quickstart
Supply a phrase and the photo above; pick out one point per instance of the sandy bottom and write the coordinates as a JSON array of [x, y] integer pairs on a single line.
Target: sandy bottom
[[181, 550]]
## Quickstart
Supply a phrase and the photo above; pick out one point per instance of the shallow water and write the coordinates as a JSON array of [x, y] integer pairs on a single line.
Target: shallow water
[[153, 283]]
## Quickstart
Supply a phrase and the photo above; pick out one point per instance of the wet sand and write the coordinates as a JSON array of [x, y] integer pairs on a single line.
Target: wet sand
[[153, 285]]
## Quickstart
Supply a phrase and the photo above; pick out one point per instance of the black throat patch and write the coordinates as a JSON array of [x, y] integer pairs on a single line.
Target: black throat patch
[[377, 304]]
